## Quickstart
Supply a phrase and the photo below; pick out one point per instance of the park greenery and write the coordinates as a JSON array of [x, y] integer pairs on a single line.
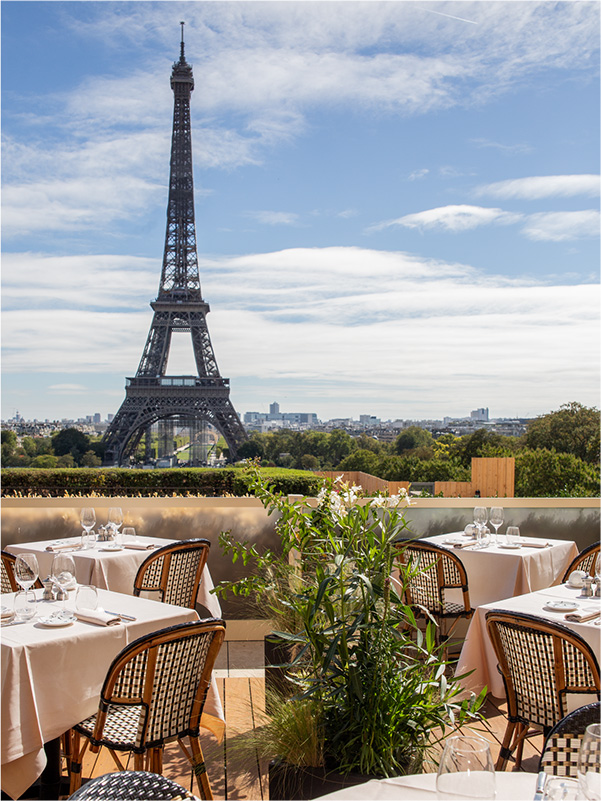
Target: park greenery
[[558, 456]]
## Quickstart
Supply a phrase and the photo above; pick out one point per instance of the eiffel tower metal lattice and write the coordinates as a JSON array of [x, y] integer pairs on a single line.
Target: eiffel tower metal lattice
[[152, 395]]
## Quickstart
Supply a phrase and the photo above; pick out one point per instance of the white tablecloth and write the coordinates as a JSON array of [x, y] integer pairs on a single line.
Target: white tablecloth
[[478, 654], [51, 677], [509, 786], [494, 572], [114, 570]]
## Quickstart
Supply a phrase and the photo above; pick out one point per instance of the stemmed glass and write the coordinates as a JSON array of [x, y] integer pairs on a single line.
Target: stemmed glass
[[496, 518], [63, 574], [480, 518], [88, 521], [26, 574], [589, 764], [115, 520], [466, 769]]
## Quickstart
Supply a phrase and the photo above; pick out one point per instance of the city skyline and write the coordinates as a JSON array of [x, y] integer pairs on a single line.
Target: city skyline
[[396, 203]]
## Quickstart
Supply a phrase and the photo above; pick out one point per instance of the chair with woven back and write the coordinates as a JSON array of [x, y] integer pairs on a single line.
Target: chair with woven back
[[8, 582], [174, 572], [433, 571], [586, 560], [154, 691], [561, 747], [132, 785], [542, 663]]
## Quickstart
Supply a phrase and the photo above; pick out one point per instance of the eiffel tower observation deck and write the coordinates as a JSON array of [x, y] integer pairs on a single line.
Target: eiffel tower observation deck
[[153, 397]]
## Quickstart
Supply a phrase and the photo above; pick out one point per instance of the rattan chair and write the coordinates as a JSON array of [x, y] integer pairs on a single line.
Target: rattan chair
[[174, 572], [560, 751], [433, 571], [586, 560], [154, 691], [541, 663], [132, 785], [8, 582]]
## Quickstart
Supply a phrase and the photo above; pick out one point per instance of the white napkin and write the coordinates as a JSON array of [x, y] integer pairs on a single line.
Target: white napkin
[[7, 614], [138, 546], [63, 546], [584, 616], [534, 544], [98, 617]]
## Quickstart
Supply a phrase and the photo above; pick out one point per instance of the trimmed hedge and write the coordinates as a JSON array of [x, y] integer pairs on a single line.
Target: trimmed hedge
[[113, 481]]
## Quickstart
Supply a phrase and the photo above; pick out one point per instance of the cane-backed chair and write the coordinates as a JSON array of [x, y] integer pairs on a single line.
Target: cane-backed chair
[[541, 662], [433, 571], [174, 572], [154, 691], [132, 785], [560, 751], [586, 560], [8, 582]]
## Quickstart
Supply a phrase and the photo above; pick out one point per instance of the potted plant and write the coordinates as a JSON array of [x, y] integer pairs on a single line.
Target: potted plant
[[371, 685]]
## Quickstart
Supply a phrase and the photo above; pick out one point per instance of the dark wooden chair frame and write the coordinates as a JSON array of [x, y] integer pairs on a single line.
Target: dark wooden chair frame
[[586, 560], [527, 703], [137, 682], [450, 574], [159, 572]]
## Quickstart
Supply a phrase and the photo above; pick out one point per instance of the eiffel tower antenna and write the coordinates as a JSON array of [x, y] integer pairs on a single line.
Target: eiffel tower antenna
[[152, 396]]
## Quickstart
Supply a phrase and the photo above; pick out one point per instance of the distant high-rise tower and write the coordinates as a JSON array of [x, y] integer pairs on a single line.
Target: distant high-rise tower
[[190, 400]]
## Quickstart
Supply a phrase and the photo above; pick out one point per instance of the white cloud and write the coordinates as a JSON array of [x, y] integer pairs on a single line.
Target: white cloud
[[559, 226], [67, 389], [274, 217], [544, 186], [517, 148], [416, 175], [452, 218]]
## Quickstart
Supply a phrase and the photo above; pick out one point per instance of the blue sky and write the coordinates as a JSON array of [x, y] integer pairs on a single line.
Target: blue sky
[[397, 204]]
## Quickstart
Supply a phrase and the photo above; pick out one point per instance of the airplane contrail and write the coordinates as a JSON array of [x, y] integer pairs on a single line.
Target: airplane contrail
[[450, 16]]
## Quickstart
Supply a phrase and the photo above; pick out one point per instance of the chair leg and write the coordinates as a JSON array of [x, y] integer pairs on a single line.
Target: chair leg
[[66, 749], [138, 761], [523, 731], [506, 748], [77, 754], [200, 770]]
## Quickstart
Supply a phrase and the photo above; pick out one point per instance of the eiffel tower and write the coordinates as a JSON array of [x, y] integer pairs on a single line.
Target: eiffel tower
[[152, 396]]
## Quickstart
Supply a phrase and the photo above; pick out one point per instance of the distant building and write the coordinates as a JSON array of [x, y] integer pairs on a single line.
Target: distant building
[[480, 414]]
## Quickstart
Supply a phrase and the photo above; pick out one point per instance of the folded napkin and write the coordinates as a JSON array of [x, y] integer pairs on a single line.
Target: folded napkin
[[535, 544], [63, 546], [582, 617], [7, 614], [138, 546], [467, 544], [98, 617]]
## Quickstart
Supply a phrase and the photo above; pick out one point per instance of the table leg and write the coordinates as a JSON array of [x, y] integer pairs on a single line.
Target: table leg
[[50, 780]]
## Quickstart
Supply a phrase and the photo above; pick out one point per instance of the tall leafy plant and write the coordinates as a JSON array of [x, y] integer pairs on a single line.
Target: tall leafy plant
[[375, 682]]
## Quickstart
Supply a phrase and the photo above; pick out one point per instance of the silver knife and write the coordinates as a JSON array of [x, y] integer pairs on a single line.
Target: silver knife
[[540, 786], [121, 615]]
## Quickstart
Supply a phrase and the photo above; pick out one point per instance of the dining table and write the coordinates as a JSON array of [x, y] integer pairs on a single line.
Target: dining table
[[477, 655], [109, 567], [496, 571], [52, 675], [422, 787]]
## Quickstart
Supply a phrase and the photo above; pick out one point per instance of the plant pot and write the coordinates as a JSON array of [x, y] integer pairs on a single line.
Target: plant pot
[[288, 781], [277, 653]]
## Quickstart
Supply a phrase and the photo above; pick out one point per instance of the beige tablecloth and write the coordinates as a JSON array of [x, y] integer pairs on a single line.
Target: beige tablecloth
[[478, 655], [51, 677], [112, 570], [494, 572], [509, 786]]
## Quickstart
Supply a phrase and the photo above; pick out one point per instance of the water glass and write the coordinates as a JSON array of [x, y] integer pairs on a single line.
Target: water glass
[[589, 764], [24, 605], [86, 599], [512, 535], [560, 788], [129, 534], [466, 769]]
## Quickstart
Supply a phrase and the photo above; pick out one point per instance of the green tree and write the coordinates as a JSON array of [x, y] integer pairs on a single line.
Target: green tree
[[309, 462], [340, 444], [29, 446], [412, 438], [573, 429], [45, 461], [71, 440], [89, 459], [362, 459], [66, 460], [543, 473], [9, 437]]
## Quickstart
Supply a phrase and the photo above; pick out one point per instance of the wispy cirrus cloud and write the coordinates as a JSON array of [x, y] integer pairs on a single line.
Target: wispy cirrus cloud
[[560, 226], [454, 218], [537, 187], [274, 217], [503, 147]]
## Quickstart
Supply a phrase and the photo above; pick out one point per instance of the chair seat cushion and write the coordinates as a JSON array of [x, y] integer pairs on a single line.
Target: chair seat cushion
[[121, 729]]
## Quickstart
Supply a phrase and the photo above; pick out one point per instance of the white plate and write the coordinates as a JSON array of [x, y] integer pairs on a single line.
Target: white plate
[[562, 606], [112, 548], [511, 545], [573, 586], [55, 622]]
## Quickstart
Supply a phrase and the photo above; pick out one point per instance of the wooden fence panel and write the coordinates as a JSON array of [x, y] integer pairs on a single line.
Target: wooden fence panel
[[494, 477], [454, 489]]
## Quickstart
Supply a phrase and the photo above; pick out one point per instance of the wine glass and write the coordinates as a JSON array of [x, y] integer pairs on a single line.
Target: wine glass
[[466, 769], [480, 518], [26, 570], [63, 574], [496, 518], [88, 521], [589, 764], [115, 520]]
